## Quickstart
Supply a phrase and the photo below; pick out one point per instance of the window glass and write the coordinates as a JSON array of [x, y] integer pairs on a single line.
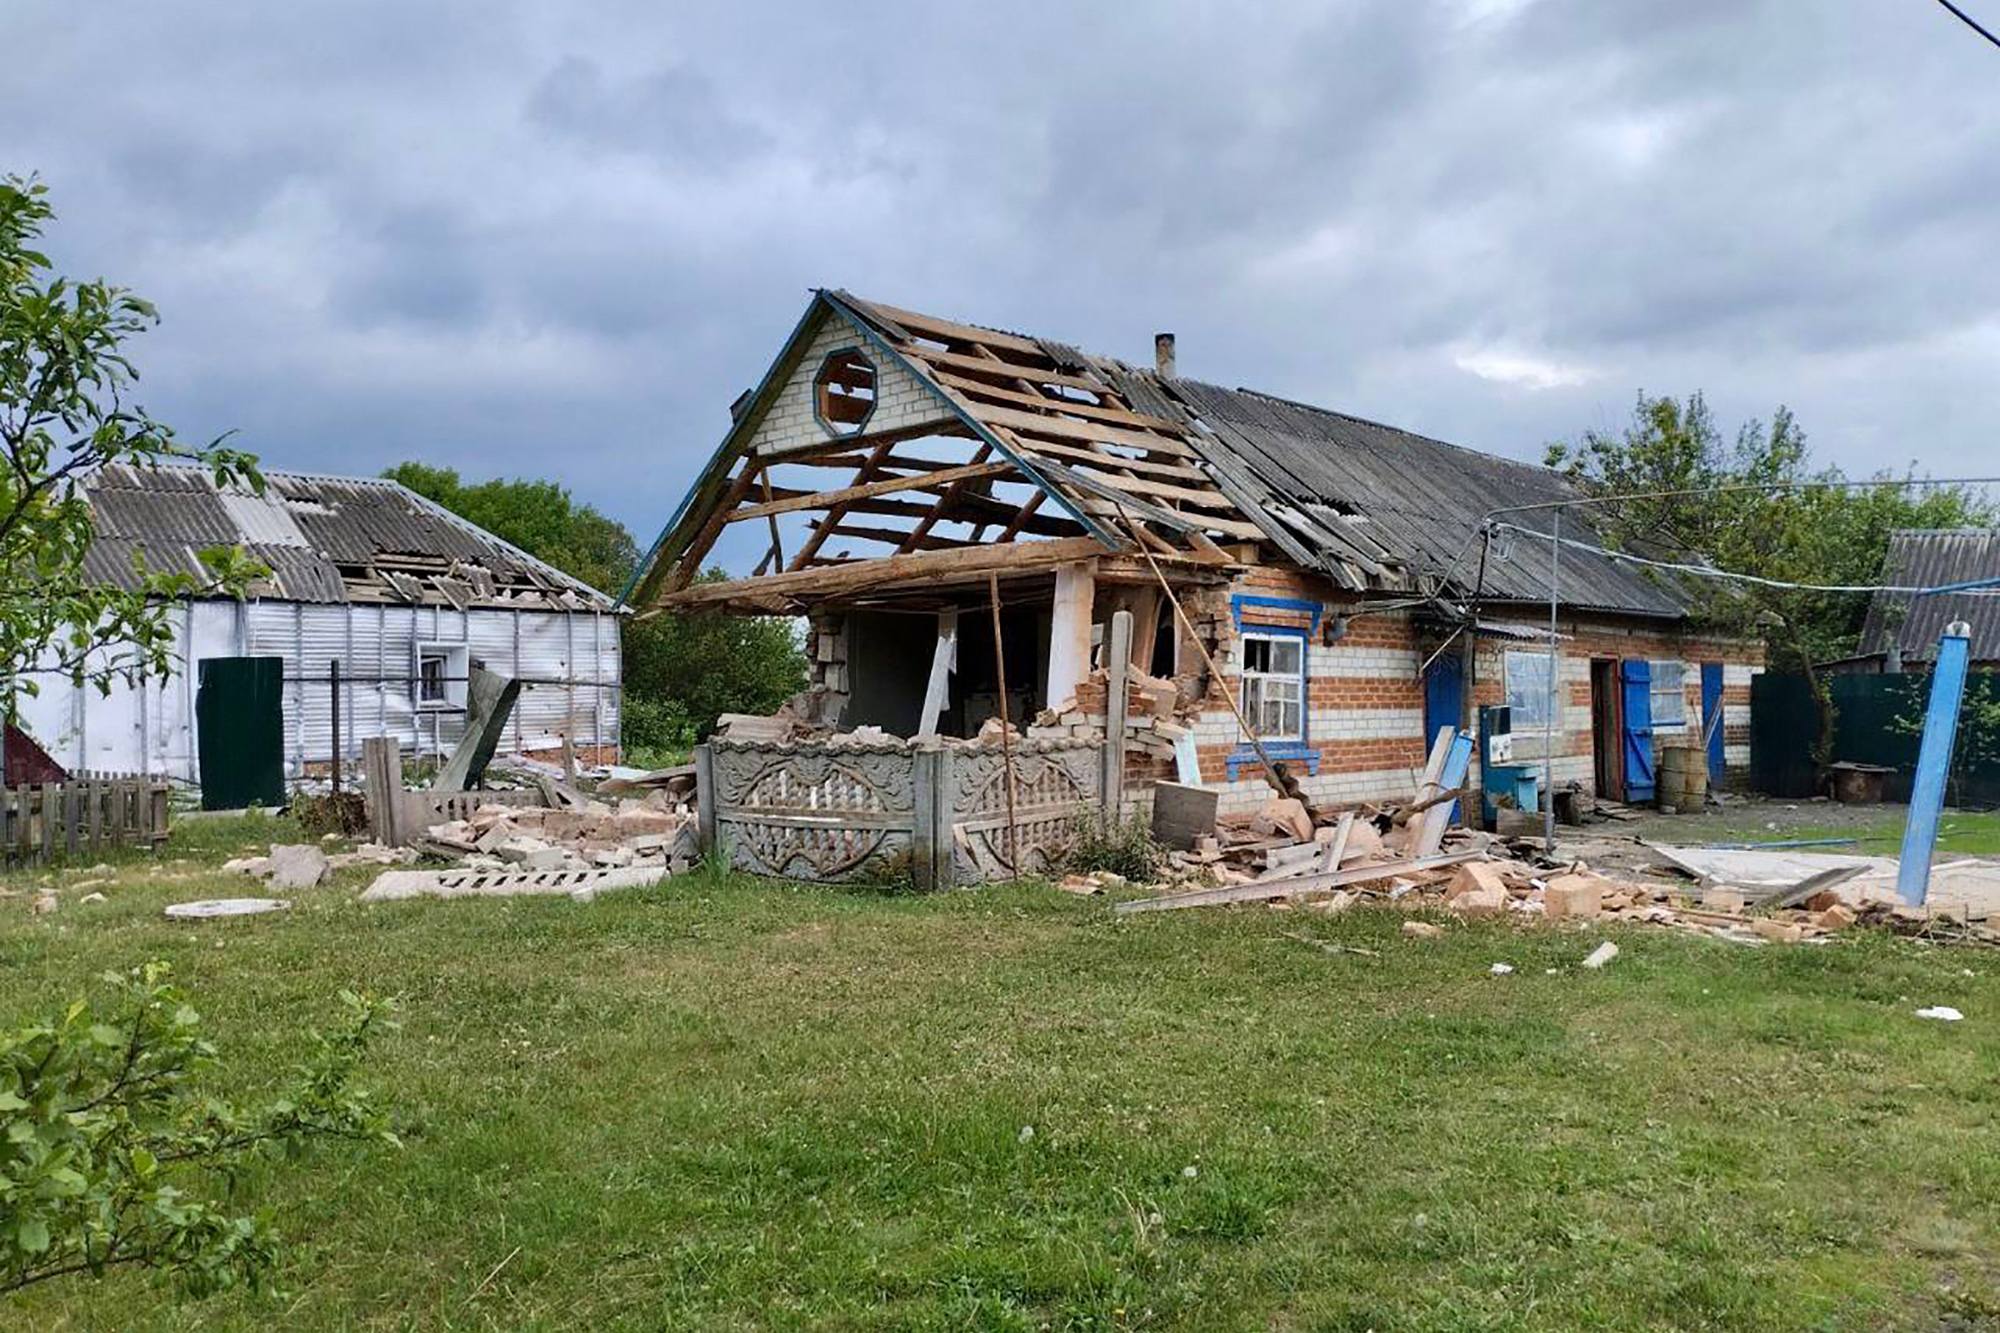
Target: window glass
[[1528, 690], [1669, 694], [430, 678], [1274, 685]]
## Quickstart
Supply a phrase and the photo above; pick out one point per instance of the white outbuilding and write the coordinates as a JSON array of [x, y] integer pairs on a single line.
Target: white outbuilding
[[371, 585]]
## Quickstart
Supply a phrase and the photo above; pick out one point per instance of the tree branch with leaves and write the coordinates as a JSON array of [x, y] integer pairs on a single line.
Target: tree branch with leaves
[[65, 413], [111, 1156]]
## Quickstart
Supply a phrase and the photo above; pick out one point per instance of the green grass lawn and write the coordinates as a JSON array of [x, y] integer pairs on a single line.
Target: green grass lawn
[[1876, 829], [725, 1104]]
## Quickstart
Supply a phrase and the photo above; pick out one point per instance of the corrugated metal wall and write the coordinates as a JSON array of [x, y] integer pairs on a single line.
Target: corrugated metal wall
[[569, 663]]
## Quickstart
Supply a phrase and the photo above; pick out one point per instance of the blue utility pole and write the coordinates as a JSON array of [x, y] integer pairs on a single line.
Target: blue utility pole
[[1913, 874]]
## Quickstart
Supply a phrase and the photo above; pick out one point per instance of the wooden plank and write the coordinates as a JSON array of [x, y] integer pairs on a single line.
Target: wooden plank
[[894, 537], [1003, 369], [1069, 428], [1451, 776], [1117, 416], [937, 690], [949, 330], [868, 490], [1337, 849], [51, 806], [1109, 490], [1101, 460], [1283, 888], [924, 566]]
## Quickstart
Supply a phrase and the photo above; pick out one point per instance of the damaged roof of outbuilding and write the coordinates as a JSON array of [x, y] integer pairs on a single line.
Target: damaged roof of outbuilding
[[324, 539], [1935, 558]]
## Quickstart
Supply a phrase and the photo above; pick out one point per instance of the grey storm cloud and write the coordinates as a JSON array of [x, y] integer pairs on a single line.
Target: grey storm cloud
[[537, 240]]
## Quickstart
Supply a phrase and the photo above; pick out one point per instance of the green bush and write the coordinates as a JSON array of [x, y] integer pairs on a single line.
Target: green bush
[[1120, 846], [111, 1156]]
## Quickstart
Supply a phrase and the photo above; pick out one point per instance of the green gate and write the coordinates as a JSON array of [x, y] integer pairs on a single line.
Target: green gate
[[239, 711]]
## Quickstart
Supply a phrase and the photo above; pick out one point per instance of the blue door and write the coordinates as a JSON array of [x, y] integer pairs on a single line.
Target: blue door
[[1711, 705], [1444, 692], [1637, 742]]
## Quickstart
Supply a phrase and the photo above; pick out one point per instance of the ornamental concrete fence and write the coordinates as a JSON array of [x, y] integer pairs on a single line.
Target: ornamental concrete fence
[[845, 810]]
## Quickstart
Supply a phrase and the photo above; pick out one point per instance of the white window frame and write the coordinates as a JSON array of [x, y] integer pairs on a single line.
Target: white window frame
[[457, 661], [1525, 721], [1262, 687], [1677, 692]]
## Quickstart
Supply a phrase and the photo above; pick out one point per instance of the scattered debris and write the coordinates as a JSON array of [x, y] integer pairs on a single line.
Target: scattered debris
[[93, 898], [1501, 969], [296, 866], [581, 885], [1601, 955], [1421, 930], [1942, 1012], [210, 908]]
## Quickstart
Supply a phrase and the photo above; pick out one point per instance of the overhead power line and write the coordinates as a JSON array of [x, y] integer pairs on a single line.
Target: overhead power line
[[1977, 588], [1970, 22]]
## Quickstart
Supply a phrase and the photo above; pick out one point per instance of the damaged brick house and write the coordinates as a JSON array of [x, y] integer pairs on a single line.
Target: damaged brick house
[[903, 467]]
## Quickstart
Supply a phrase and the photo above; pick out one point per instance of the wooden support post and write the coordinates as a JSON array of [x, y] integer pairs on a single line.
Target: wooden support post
[[1069, 631], [944, 660], [1118, 676], [333, 680]]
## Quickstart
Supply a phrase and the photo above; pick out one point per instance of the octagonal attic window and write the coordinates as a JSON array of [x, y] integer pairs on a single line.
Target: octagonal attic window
[[844, 392]]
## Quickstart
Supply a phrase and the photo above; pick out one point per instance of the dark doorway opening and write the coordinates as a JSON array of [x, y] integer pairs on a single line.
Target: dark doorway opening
[[1606, 746]]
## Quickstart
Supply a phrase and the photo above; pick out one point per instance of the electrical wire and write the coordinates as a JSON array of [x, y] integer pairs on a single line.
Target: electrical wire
[[1705, 571], [1968, 21]]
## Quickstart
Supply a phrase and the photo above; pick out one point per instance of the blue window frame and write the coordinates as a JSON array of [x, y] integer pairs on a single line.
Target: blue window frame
[[1274, 690]]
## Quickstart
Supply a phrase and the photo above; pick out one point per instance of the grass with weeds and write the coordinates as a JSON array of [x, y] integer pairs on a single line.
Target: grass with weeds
[[724, 1104]]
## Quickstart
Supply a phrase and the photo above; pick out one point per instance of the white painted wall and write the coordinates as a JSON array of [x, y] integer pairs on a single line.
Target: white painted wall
[[149, 727]]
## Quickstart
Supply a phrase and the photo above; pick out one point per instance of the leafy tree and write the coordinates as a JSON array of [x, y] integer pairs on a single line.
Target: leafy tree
[[701, 666], [1760, 507], [681, 671], [540, 517], [65, 384], [111, 1156]]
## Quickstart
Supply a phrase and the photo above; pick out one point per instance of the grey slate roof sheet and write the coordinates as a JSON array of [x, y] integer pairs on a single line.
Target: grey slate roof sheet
[[170, 514], [1418, 501], [1931, 558]]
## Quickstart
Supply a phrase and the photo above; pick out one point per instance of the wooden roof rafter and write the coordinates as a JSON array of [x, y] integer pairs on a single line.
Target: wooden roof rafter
[[1036, 415]]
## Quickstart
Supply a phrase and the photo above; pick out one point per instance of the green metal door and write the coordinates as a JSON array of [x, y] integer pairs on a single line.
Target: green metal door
[[239, 711]]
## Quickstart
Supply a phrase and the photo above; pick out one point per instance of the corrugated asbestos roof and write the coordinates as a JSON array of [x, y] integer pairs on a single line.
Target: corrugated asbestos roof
[[1370, 505], [325, 539], [1932, 558], [1406, 499]]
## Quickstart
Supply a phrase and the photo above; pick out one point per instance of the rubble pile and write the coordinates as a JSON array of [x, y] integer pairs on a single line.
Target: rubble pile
[[1280, 858], [588, 833], [1153, 713]]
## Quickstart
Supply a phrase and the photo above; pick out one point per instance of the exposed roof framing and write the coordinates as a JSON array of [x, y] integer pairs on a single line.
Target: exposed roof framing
[[1093, 447]]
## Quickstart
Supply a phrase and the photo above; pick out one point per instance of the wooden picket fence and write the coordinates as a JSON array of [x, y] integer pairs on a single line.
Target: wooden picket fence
[[85, 815]]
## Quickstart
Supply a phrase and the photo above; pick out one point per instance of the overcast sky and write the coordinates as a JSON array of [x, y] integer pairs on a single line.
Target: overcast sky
[[556, 240]]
